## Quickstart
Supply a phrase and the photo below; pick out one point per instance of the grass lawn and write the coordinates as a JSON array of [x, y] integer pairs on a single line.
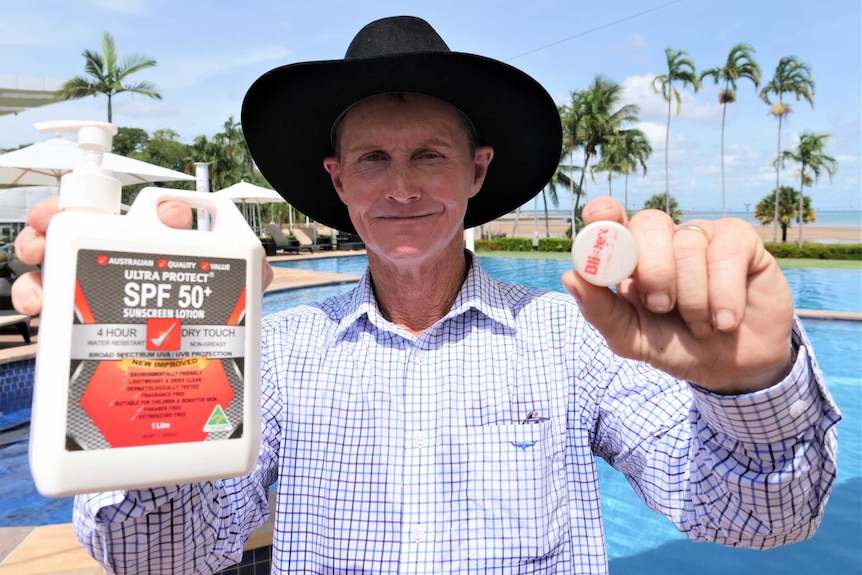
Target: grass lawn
[[785, 263]]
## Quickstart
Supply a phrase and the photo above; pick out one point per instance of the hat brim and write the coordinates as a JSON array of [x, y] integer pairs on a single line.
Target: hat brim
[[288, 113]]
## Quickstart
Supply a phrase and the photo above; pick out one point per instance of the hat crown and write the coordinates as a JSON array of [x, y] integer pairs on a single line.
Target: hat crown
[[395, 35]]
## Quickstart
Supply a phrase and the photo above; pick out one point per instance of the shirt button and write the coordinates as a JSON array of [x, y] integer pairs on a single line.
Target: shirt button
[[420, 356], [797, 408], [419, 439], [417, 533]]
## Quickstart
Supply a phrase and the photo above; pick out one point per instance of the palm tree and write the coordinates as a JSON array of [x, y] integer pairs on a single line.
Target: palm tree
[[590, 120], [679, 69], [106, 75], [740, 64], [609, 161], [634, 149], [787, 210], [811, 156], [791, 77], [664, 203], [560, 178]]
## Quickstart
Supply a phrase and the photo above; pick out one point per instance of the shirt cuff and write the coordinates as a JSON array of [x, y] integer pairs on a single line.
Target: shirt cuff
[[114, 506], [782, 411]]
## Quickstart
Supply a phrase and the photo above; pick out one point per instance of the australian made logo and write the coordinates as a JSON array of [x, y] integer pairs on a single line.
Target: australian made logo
[[217, 421]]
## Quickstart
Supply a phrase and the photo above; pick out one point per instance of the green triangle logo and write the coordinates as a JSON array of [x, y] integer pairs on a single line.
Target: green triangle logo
[[217, 421]]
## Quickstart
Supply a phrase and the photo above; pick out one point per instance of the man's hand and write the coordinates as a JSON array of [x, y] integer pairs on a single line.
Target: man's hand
[[712, 308], [30, 248]]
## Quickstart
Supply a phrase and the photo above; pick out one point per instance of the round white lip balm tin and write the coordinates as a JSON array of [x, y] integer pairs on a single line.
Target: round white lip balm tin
[[604, 253]]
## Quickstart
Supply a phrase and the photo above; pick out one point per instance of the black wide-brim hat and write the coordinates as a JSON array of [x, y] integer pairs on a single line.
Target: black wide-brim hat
[[289, 112]]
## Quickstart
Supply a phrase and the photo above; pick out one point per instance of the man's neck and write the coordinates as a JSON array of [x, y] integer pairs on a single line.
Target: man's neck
[[417, 296]]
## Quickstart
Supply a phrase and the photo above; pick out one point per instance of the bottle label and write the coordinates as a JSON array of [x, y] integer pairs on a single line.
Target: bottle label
[[158, 344]]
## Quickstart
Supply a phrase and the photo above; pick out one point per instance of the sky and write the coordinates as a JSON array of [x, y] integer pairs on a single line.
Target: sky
[[210, 52]]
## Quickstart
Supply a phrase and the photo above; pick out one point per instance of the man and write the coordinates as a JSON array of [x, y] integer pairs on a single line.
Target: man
[[436, 420]]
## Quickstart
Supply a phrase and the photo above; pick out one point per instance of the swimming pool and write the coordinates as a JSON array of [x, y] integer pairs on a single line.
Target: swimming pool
[[818, 289], [639, 541]]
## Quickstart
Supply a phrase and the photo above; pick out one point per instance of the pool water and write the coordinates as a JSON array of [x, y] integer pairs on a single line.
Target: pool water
[[638, 540], [817, 289]]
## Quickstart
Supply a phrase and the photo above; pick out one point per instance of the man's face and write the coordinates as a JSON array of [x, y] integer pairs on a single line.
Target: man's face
[[405, 172]]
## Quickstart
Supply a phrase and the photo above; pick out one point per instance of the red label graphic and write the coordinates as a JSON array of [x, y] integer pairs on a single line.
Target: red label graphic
[[140, 401]]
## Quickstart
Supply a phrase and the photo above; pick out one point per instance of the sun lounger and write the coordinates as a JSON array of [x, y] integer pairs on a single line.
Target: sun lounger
[[281, 241], [10, 318], [305, 241], [349, 242]]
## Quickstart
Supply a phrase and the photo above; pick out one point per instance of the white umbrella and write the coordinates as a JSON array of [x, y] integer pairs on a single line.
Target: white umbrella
[[42, 164], [244, 193]]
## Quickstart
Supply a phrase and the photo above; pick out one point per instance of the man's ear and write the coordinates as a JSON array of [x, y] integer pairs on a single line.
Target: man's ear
[[481, 161], [331, 165]]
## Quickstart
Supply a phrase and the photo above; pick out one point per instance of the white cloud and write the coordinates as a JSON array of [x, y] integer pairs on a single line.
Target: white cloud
[[654, 132], [653, 107]]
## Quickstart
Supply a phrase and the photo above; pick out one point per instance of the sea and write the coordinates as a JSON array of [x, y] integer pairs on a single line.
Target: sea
[[828, 218], [835, 219]]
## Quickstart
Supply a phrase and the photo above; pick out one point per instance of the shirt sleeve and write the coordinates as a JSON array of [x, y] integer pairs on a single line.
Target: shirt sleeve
[[751, 470], [195, 528]]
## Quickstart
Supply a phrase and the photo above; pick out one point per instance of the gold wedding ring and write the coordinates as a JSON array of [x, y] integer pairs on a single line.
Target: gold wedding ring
[[695, 229]]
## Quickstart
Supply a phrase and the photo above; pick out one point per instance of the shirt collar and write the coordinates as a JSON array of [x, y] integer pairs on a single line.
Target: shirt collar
[[479, 292]]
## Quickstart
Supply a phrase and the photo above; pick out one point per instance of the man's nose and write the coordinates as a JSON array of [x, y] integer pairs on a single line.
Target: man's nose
[[404, 184]]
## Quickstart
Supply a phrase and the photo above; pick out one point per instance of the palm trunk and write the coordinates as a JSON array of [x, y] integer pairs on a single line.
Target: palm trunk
[[777, 170], [517, 217], [666, 169], [723, 196], [572, 189], [801, 192], [610, 191], [626, 201], [580, 189], [110, 110], [547, 225]]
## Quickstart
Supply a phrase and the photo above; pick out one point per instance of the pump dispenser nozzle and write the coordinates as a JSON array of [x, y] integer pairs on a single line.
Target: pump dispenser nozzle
[[89, 187]]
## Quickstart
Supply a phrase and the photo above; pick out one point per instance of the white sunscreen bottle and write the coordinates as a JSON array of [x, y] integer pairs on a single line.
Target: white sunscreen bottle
[[604, 253], [148, 358]]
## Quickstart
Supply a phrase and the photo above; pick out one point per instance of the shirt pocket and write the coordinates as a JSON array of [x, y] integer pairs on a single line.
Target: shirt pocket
[[516, 493]]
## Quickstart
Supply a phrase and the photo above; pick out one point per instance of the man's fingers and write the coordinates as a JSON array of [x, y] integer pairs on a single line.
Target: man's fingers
[[30, 242], [41, 213], [731, 258], [614, 317], [27, 293], [266, 272], [690, 245], [30, 246], [175, 214], [603, 208], [656, 271]]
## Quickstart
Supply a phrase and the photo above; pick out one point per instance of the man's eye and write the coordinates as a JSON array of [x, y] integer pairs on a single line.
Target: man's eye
[[428, 156], [373, 157]]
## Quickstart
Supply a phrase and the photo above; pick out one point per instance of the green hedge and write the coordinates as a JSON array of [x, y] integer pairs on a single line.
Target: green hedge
[[505, 245], [816, 251], [555, 244]]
